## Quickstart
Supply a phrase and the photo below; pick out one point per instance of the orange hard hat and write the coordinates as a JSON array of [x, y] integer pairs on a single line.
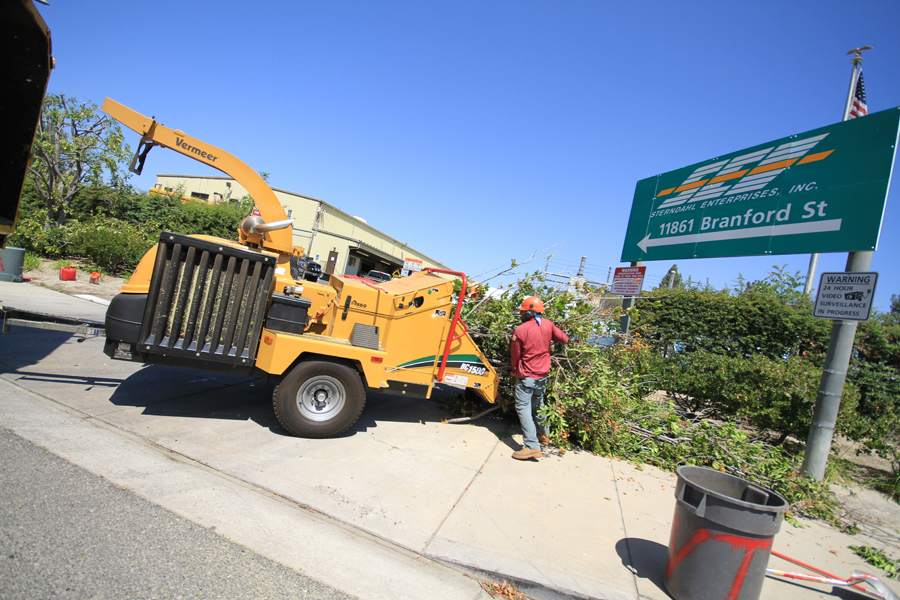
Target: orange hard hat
[[532, 303]]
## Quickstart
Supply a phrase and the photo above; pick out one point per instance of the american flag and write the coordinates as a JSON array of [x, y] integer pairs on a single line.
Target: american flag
[[858, 108]]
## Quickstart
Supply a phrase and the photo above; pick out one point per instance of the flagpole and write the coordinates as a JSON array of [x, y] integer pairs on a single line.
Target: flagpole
[[854, 77], [856, 60], [840, 348]]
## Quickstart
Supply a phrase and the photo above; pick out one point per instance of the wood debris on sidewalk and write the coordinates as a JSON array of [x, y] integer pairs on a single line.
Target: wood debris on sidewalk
[[502, 590]]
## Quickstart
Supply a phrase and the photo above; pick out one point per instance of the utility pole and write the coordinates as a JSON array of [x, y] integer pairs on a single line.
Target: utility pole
[[574, 281], [840, 346], [670, 276], [578, 281]]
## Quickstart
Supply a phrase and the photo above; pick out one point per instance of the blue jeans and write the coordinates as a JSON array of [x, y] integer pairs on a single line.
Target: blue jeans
[[530, 399]]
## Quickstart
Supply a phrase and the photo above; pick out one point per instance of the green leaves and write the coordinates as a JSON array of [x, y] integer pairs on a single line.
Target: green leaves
[[76, 146], [755, 321], [878, 558], [113, 228], [772, 395]]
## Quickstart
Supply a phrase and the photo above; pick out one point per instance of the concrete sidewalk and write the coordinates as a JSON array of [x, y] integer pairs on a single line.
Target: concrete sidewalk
[[382, 510]]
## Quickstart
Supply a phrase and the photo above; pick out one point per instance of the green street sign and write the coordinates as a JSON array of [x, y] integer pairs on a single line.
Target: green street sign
[[819, 191]]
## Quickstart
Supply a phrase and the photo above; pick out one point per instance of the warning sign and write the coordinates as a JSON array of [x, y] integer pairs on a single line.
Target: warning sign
[[412, 264], [627, 281], [845, 296]]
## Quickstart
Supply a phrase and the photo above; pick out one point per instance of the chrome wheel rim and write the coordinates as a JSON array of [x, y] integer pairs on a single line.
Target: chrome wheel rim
[[321, 398]]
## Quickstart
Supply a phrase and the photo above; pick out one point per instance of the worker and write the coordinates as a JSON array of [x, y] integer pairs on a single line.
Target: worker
[[530, 353]]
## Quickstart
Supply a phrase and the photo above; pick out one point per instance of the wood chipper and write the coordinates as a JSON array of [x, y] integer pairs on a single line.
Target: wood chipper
[[201, 302]]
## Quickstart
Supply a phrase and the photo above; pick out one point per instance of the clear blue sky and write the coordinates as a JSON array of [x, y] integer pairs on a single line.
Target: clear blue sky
[[480, 132]]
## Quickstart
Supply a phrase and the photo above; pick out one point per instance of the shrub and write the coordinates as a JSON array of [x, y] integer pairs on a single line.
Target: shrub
[[113, 228], [771, 395], [747, 323], [30, 235], [220, 220], [112, 245], [153, 213], [876, 421]]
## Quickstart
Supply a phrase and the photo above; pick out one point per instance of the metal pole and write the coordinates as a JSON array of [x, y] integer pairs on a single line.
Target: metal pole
[[831, 387], [581, 268], [856, 60], [811, 274], [628, 302], [312, 237], [840, 348]]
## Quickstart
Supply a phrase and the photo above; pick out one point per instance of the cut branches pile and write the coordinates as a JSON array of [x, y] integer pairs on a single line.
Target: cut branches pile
[[602, 394]]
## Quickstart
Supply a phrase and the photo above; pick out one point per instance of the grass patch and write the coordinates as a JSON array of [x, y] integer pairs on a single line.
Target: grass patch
[[889, 483], [32, 262]]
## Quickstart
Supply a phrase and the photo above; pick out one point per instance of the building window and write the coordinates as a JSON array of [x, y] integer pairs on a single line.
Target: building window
[[200, 196]]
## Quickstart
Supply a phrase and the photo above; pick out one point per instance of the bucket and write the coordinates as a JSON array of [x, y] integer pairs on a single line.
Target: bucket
[[721, 537], [11, 261]]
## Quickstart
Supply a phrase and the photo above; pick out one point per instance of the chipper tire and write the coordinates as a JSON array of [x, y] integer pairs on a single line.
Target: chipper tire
[[319, 399]]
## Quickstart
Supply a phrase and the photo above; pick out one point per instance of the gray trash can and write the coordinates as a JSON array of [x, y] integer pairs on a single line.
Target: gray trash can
[[721, 536], [11, 261]]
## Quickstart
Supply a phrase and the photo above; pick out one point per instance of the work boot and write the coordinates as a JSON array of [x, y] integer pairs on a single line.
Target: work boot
[[543, 440], [526, 453]]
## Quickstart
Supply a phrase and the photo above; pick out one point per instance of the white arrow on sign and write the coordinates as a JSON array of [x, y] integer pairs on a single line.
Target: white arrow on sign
[[738, 234]]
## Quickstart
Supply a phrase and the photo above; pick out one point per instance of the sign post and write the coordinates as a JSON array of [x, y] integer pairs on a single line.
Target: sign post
[[831, 387], [634, 272], [843, 332]]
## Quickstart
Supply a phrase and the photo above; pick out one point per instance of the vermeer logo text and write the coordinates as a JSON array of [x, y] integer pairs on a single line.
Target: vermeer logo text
[[194, 150]]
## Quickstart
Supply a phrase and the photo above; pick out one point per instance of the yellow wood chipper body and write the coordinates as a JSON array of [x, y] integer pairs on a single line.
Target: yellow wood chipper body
[[206, 303]]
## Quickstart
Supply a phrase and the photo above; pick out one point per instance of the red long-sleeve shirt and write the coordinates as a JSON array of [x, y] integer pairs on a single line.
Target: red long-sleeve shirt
[[530, 348]]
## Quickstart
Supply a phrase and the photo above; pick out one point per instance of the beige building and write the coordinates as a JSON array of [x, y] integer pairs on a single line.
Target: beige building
[[341, 243]]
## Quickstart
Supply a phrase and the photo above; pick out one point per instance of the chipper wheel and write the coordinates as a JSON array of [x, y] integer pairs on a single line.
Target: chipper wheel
[[319, 399]]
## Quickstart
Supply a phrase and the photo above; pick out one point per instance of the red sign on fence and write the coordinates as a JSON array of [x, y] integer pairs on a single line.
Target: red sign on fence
[[627, 281]]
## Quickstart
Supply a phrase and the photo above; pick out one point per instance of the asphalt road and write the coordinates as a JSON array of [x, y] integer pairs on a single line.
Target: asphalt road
[[66, 533]]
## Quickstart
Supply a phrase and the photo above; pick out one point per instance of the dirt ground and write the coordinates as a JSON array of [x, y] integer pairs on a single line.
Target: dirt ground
[[49, 276]]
